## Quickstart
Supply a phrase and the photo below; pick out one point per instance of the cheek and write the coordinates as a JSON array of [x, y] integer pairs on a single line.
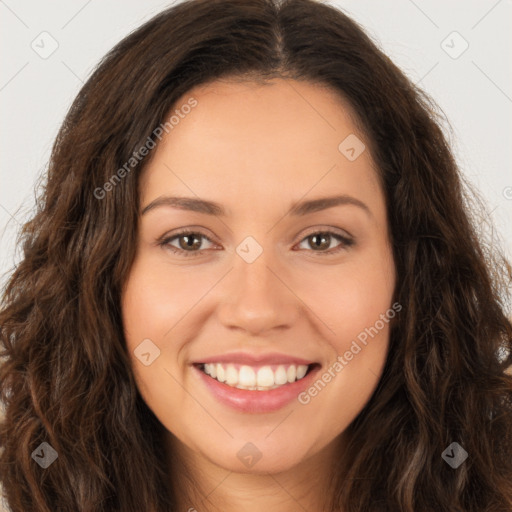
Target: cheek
[[352, 297], [347, 298], [363, 300], [147, 315], [358, 309], [154, 300]]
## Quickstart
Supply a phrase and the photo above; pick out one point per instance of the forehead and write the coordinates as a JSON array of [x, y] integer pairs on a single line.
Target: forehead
[[275, 140]]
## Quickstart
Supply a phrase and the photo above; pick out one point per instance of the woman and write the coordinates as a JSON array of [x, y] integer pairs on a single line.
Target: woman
[[253, 283]]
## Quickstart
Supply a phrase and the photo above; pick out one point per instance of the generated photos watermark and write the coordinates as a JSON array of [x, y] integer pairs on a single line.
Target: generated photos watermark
[[138, 156], [343, 360]]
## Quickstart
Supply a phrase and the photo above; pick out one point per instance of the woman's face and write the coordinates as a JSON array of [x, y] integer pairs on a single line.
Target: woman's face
[[269, 283]]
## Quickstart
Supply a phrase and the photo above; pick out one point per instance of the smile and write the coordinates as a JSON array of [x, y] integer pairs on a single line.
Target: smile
[[255, 378], [253, 388]]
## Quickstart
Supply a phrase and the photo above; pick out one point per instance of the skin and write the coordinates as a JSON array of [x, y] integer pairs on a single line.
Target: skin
[[257, 149]]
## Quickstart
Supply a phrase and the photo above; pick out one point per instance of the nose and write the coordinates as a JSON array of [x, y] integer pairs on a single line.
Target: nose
[[258, 297]]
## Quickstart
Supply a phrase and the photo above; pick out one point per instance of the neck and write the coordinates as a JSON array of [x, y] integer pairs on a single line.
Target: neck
[[200, 485]]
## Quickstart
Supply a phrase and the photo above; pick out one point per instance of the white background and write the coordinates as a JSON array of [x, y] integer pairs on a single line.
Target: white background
[[474, 90]]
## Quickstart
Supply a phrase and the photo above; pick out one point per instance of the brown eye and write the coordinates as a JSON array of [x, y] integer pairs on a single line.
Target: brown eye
[[321, 241], [189, 243]]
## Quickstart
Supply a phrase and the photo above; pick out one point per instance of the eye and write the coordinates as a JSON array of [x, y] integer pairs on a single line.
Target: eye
[[323, 239], [190, 242]]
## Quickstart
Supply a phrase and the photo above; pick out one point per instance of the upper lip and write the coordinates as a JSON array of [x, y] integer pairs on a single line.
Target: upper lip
[[255, 359]]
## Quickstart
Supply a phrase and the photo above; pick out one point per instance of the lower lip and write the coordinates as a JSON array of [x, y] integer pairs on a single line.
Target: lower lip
[[257, 401]]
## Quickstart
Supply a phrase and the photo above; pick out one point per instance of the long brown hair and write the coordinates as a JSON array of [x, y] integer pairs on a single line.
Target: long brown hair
[[66, 378]]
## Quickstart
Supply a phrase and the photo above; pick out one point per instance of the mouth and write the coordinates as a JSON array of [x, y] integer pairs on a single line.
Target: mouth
[[255, 384], [256, 377]]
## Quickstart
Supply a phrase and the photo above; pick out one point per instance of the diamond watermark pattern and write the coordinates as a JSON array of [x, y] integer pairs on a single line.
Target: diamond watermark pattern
[[249, 250], [44, 455], [454, 45], [249, 455], [44, 45], [454, 455], [351, 147], [146, 352]]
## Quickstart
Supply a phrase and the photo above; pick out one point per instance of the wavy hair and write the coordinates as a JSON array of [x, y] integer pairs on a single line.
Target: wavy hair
[[65, 376]]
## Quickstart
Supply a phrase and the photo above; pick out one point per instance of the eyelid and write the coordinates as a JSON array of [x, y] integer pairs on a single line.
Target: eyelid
[[166, 238], [327, 229], [346, 239]]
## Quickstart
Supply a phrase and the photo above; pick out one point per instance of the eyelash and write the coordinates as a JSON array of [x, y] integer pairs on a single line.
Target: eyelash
[[165, 242]]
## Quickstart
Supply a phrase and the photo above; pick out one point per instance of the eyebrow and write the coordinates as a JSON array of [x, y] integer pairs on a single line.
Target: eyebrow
[[300, 208]]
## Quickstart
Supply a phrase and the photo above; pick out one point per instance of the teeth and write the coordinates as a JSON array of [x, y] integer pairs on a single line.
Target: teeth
[[301, 371], [280, 377], [262, 379], [220, 372], [231, 375], [246, 377], [265, 377]]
